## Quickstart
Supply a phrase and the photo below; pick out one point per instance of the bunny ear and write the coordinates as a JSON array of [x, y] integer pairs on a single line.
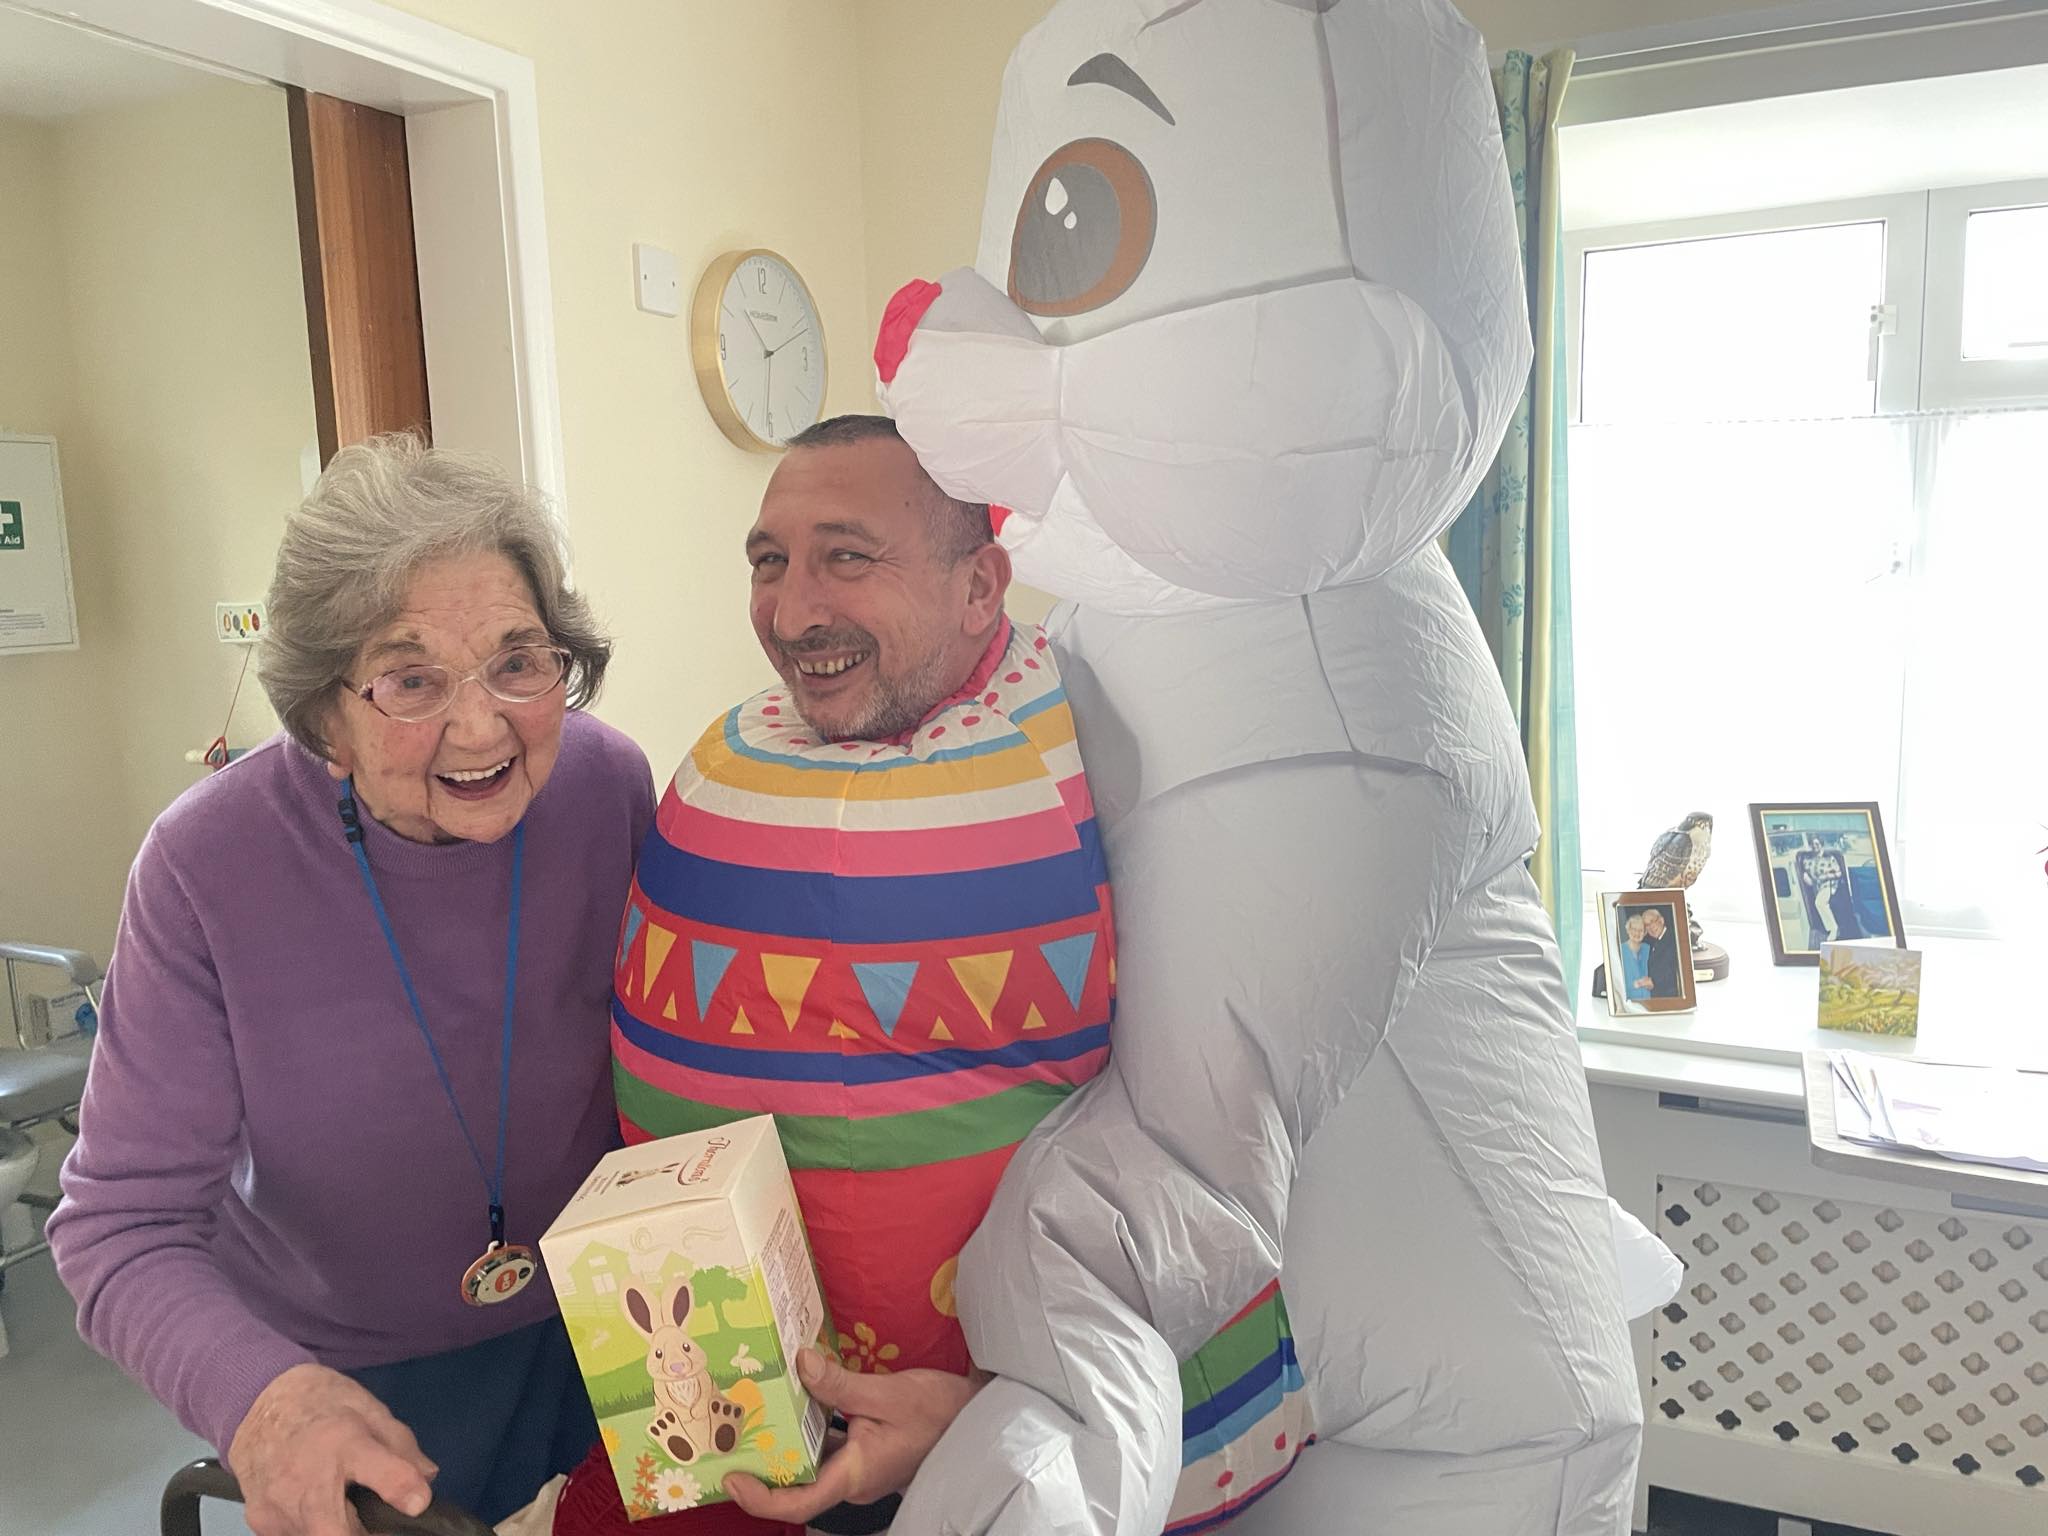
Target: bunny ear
[[679, 1304], [638, 1308]]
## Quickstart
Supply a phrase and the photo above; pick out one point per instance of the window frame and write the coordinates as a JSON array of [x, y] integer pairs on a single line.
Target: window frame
[[1948, 380], [1922, 373], [1904, 216]]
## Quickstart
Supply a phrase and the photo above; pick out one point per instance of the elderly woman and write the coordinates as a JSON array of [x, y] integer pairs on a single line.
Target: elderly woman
[[354, 1051], [1636, 986]]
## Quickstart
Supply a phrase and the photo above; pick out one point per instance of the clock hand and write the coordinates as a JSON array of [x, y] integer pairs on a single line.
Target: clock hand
[[758, 337], [788, 339]]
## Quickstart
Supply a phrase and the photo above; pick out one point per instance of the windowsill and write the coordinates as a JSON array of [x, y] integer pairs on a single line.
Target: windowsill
[[1979, 1004]]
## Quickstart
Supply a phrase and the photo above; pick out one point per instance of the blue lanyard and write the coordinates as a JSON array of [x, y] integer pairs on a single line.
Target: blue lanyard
[[352, 829]]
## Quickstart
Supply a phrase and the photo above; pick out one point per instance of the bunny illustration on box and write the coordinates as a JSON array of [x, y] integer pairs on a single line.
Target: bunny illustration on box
[[697, 1242], [695, 1416]]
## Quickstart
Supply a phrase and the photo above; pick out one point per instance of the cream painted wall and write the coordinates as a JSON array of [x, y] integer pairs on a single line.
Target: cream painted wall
[[931, 72], [699, 127], [32, 324], [58, 782], [172, 293]]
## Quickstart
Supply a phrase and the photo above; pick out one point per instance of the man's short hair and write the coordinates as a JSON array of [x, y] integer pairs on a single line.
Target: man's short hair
[[958, 528]]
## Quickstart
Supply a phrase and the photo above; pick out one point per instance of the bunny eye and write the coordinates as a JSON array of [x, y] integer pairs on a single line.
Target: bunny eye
[[1085, 229]]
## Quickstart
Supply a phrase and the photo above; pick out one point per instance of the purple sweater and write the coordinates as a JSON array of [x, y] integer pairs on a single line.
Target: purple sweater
[[268, 1171]]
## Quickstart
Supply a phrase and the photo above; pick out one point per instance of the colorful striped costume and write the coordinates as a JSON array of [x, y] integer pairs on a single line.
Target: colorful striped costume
[[904, 951]]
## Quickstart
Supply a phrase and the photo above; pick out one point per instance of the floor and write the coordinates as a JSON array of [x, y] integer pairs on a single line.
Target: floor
[[85, 1452]]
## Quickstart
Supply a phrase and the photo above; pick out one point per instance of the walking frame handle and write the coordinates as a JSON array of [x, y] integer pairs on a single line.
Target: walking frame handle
[[210, 1480]]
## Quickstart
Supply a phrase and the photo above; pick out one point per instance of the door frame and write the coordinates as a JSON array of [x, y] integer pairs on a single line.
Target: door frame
[[384, 58]]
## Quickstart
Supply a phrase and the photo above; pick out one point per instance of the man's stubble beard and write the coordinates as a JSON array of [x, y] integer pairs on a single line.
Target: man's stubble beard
[[895, 706]]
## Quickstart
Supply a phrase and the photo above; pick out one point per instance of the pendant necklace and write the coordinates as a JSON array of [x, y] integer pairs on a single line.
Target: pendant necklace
[[504, 1269]]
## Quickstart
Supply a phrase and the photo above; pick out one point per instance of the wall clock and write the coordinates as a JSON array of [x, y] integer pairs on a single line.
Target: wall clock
[[758, 349]]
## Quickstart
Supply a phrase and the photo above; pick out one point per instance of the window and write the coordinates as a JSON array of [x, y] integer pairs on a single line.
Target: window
[[1791, 337], [1810, 537], [1987, 316], [2005, 301]]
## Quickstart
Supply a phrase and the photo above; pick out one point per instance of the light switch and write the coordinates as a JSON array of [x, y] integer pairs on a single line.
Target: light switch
[[659, 287]]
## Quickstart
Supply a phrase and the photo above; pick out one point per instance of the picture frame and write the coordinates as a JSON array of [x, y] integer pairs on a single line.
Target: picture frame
[[1825, 875], [38, 611], [1647, 939]]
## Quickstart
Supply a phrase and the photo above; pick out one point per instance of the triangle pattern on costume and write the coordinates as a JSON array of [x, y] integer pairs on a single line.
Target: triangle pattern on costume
[[1069, 961], [659, 942], [981, 977], [709, 962], [886, 986], [788, 977], [764, 882]]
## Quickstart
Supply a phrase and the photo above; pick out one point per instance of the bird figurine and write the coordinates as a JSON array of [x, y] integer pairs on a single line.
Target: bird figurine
[[1675, 862], [1679, 854]]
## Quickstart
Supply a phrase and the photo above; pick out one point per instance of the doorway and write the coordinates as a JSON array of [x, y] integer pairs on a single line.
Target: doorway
[[187, 419]]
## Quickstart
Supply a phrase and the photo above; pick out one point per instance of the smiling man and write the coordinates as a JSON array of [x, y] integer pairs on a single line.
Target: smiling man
[[874, 906], [875, 593]]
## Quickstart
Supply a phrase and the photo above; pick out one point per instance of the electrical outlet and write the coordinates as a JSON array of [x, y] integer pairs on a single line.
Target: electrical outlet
[[239, 623]]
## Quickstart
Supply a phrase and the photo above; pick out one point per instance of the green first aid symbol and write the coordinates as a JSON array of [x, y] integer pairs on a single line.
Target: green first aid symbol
[[10, 525]]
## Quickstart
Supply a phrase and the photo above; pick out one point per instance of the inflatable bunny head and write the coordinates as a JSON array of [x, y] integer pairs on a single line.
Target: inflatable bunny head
[[1249, 317]]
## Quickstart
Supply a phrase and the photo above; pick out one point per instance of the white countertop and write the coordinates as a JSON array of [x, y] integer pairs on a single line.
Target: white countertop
[[1981, 1001]]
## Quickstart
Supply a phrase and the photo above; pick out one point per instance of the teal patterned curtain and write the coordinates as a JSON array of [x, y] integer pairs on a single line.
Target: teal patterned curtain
[[1512, 546]]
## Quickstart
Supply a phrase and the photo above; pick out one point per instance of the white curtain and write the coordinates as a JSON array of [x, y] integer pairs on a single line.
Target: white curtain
[[1820, 610]]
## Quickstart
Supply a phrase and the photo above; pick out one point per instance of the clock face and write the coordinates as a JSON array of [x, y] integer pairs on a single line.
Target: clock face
[[771, 350]]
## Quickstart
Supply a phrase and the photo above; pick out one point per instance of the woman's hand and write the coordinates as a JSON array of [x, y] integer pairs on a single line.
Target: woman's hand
[[892, 1423], [308, 1435]]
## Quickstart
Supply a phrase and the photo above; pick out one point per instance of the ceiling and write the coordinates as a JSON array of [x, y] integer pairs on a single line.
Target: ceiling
[[1899, 136], [49, 70]]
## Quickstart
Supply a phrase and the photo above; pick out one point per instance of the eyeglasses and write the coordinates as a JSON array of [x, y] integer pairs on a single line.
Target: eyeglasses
[[517, 675]]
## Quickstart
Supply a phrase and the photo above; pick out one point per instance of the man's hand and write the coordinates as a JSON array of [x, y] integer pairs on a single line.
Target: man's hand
[[308, 1435], [892, 1424]]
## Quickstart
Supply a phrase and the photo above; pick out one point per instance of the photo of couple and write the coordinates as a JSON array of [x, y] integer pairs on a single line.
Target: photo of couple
[[1649, 960]]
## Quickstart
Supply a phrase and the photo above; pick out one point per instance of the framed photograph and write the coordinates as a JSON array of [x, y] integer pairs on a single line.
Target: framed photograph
[[1648, 941], [36, 608], [1827, 878]]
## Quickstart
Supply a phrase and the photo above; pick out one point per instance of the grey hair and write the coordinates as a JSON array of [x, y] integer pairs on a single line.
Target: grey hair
[[958, 528], [382, 511]]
